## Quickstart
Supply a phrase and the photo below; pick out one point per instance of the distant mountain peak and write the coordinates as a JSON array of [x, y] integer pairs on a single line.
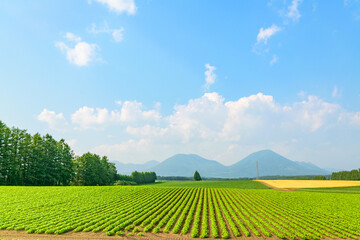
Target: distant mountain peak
[[270, 164]]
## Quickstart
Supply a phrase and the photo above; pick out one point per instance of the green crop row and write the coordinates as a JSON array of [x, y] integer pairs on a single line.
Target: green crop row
[[194, 212]]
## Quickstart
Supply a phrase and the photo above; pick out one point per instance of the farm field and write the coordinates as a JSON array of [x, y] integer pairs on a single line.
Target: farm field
[[294, 184], [187, 212], [243, 184], [332, 190]]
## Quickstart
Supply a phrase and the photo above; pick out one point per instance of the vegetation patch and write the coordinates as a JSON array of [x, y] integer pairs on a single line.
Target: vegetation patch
[[191, 211], [293, 184], [241, 184]]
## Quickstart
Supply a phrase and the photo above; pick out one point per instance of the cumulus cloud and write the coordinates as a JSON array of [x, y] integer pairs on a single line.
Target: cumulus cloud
[[200, 118], [262, 38], [120, 6], [131, 112], [335, 93], [264, 34], [130, 151], [116, 33], [71, 142], [72, 37], [87, 117], [210, 116], [313, 113], [293, 11], [274, 60], [355, 118], [209, 76], [220, 129], [79, 52], [55, 121]]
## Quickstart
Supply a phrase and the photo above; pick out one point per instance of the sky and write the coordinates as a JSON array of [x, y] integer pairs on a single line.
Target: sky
[[140, 80]]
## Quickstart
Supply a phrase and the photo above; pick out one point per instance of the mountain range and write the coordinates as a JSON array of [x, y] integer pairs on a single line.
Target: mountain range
[[269, 162]]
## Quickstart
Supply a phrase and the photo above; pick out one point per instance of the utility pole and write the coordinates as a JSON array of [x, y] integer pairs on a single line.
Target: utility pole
[[257, 170]]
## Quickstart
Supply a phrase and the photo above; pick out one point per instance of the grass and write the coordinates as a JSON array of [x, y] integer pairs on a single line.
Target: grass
[[332, 190], [296, 184], [243, 184], [228, 206]]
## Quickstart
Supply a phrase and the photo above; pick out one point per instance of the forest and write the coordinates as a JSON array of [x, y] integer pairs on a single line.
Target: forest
[[35, 160], [346, 175]]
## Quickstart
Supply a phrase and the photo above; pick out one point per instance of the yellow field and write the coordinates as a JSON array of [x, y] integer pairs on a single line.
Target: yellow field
[[309, 183]]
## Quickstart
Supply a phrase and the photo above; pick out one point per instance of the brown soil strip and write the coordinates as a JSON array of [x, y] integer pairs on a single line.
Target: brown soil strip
[[11, 234]]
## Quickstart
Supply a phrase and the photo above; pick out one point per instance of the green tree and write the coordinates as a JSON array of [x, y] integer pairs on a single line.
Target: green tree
[[66, 163], [197, 176], [4, 152], [90, 170], [320, 177]]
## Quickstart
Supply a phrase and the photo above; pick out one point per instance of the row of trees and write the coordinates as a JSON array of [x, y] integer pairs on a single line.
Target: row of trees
[[137, 177], [91, 170], [35, 160], [346, 175]]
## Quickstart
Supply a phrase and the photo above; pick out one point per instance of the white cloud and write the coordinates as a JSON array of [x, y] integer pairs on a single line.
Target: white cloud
[[120, 6], [355, 118], [72, 37], [293, 12], [302, 94], [274, 60], [117, 34], [314, 113], [146, 131], [131, 112], [336, 93], [71, 142], [201, 118], [130, 151], [55, 121], [81, 54], [210, 76], [87, 117], [220, 129], [265, 34], [212, 117]]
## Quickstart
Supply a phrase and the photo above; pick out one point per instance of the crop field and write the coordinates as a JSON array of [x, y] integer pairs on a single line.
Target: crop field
[[293, 184], [243, 184], [332, 190], [187, 211]]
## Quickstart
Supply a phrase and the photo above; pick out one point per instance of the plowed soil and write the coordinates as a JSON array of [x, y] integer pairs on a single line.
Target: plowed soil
[[102, 236]]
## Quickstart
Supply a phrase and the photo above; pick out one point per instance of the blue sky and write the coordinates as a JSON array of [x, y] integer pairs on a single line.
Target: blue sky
[[142, 80]]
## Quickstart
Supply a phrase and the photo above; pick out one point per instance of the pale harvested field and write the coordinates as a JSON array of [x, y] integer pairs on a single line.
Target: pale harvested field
[[293, 184]]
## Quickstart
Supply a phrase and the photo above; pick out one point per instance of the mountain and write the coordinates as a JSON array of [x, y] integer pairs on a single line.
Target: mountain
[[186, 165], [128, 168], [270, 164], [331, 170]]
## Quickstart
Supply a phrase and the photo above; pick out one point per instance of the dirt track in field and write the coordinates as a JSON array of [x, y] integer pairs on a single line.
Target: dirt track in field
[[12, 234]]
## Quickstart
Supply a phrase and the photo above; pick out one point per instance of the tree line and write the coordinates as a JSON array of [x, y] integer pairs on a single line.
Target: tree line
[[346, 175], [27, 159], [136, 178], [35, 160]]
